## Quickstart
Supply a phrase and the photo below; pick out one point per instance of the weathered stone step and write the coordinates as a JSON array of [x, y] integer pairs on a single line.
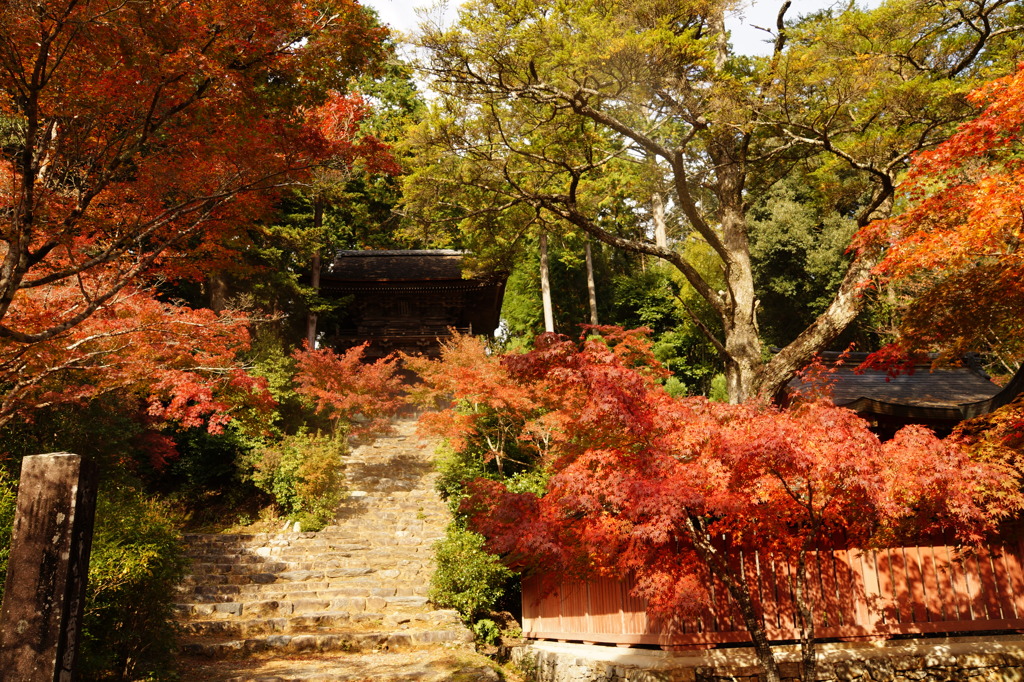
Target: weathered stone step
[[242, 593], [342, 576], [306, 623], [422, 664], [269, 552], [357, 541], [368, 540], [287, 607], [319, 642]]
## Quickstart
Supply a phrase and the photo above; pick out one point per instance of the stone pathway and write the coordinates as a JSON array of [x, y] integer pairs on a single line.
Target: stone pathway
[[346, 603]]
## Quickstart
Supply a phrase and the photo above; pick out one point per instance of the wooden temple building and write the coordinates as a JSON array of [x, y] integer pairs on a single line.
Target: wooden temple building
[[407, 301], [938, 398]]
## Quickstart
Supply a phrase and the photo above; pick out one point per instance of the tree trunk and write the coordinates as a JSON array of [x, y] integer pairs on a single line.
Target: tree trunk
[[658, 215], [314, 277], [808, 654], [217, 290], [545, 285], [591, 287], [740, 592], [742, 341]]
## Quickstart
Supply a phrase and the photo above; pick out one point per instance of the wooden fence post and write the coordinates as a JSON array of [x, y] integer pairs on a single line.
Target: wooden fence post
[[44, 597]]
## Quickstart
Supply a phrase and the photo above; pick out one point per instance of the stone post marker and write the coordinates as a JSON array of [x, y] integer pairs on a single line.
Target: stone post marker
[[44, 597]]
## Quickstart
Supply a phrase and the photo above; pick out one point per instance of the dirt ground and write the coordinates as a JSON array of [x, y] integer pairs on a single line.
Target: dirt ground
[[426, 664]]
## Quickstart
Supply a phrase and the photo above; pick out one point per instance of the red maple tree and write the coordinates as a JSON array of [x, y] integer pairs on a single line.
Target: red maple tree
[[139, 135], [666, 489], [346, 390], [956, 247], [138, 141]]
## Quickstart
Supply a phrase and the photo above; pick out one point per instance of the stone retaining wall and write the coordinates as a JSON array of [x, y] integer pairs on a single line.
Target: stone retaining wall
[[978, 659]]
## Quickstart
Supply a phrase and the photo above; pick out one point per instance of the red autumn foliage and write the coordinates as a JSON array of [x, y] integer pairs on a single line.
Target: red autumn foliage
[[666, 488], [344, 388], [140, 136], [956, 246], [140, 141], [521, 402], [892, 358], [182, 362]]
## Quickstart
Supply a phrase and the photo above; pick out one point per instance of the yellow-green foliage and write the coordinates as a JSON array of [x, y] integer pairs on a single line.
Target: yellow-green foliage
[[8, 498], [304, 475], [468, 577], [137, 561]]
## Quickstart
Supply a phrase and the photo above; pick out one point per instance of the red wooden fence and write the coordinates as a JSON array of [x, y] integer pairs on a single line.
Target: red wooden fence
[[856, 594]]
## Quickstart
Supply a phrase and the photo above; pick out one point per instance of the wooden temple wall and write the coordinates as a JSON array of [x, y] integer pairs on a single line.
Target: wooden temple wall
[[855, 594]]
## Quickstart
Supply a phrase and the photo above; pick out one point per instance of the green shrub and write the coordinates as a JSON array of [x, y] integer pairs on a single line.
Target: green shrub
[[137, 562], [207, 466], [468, 577], [8, 500], [486, 631], [304, 474]]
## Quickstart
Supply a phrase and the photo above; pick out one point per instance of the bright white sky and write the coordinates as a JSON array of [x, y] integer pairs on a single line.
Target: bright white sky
[[746, 38]]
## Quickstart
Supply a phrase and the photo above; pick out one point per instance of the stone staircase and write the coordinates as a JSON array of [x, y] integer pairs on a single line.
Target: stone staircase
[[357, 585]]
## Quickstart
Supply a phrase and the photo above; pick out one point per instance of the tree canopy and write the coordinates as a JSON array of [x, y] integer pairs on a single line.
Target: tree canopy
[[138, 143], [131, 132], [557, 116]]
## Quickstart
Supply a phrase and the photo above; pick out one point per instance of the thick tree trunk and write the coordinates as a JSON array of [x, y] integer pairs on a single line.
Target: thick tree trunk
[[591, 287], [314, 277], [545, 285], [742, 341]]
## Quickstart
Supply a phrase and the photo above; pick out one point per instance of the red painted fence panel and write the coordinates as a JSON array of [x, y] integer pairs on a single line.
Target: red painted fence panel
[[855, 594]]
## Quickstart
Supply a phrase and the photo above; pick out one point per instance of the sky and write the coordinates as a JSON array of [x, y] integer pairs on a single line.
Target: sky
[[746, 37]]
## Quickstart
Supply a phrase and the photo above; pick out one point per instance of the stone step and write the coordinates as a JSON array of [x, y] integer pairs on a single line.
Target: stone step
[[420, 664], [398, 541], [287, 607], [303, 572], [401, 570], [234, 593], [255, 555], [386, 569], [286, 644], [379, 558], [317, 622], [356, 540]]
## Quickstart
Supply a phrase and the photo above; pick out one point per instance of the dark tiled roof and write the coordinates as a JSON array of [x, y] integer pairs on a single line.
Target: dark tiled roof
[[1013, 388], [926, 387], [938, 392], [395, 266]]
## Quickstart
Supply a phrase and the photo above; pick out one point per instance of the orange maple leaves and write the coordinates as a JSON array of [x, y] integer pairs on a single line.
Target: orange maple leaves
[[346, 390], [181, 361], [644, 483], [957, 243], [141, 140]]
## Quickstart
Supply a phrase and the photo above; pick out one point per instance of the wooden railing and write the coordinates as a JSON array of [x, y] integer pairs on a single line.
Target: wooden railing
[[855, 595]]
